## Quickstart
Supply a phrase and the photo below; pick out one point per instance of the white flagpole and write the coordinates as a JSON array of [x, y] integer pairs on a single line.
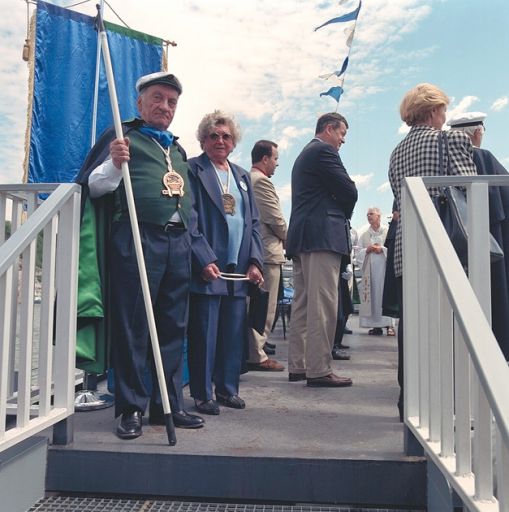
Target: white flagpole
[[100, 7], [170, 427]]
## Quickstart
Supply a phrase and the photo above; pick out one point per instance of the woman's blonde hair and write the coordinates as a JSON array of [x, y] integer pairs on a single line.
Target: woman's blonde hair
[[419, 101]]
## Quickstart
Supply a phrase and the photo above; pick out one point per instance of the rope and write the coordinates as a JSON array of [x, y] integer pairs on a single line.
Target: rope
[[115, 13], [31, 77]]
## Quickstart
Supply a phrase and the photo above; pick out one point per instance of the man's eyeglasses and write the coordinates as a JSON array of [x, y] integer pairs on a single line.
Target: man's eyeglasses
[[227, 137]]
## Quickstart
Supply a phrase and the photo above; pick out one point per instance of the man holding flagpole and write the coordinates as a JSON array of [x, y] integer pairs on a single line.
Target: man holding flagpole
[[167, 223]]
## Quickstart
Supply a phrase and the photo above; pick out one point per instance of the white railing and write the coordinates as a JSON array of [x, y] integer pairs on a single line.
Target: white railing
[[456, 380], [37, 343]]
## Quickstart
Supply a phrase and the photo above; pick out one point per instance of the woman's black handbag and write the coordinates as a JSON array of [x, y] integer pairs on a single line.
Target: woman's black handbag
[[451, 205], [258, 308]]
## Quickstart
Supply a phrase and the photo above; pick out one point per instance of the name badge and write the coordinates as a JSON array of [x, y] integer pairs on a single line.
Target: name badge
[[243, 186]]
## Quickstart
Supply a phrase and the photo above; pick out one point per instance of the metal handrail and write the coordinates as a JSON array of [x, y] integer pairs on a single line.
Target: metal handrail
[[454, 369]]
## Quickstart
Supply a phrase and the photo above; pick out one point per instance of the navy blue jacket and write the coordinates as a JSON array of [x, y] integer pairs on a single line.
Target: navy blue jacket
[[323, 197], [212, 224]]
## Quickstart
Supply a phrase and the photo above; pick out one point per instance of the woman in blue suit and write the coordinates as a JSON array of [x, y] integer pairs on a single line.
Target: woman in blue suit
[[228, 219]]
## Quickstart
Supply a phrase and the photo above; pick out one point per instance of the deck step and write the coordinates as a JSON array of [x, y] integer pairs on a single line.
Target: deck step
[[97, 504], [291, 444]]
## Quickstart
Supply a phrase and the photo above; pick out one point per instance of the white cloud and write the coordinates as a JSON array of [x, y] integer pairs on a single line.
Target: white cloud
[[463, 106], [384, 187], [289, 134], [499, 103], [362, 180], [403, 129]]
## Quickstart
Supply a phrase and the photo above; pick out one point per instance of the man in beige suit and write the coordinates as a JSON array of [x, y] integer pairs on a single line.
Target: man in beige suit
[[264, 156]]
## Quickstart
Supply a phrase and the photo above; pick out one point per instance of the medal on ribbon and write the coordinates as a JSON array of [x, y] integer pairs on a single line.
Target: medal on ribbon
[[173, 181], [228, 203], [174, 184], [228, 199]]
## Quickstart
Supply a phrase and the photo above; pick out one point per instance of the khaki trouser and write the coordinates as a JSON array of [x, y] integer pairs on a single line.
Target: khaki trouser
[[271, 277], [314, 313]]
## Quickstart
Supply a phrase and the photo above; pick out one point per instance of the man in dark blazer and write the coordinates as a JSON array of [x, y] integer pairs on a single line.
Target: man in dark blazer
[[472, 123], [323, 198]]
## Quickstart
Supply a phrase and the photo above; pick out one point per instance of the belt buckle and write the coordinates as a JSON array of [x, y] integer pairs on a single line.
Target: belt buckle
[[170, 226]]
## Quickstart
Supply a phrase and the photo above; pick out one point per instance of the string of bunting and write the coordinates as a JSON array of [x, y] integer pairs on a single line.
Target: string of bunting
[[337, 90]]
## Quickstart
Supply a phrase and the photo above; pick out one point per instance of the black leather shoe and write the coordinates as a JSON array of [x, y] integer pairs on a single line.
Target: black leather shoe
[[271, 346], [347, 331], [339, 354], [268, 350], [233, 401], [295, 377], [130, 425], [207, 407], [183, 419]]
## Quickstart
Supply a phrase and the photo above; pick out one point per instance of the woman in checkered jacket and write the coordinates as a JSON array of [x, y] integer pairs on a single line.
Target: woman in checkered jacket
[[423, 109]]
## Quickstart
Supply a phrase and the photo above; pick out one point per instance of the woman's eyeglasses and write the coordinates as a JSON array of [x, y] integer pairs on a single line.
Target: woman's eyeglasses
[[227, 137]]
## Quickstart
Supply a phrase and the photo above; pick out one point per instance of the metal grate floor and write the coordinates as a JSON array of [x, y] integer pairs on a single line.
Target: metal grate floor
[[86, 504]]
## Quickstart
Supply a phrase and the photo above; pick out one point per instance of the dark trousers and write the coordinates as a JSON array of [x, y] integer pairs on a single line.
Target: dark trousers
[[399, 291], [345, 305], [217, 335], [167, 258]]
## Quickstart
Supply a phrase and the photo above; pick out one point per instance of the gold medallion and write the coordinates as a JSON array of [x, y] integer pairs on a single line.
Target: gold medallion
[[174, 184], [228, 204]]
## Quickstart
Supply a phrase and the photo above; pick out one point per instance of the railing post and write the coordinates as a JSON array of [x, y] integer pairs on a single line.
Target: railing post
[[462, 404], [434, 373], [67, 283], [424, 332], [411, 282], [47, 316], [502, 463], [479, 273], [445, 333], [5, 329], [16, 214], [411, 336], [26, 334]]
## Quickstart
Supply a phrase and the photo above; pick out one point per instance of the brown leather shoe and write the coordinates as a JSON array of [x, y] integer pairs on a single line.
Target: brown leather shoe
[[269, 365], [329, 381]]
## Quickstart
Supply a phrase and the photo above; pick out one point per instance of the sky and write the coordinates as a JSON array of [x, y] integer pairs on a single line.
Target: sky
[[261, 60]]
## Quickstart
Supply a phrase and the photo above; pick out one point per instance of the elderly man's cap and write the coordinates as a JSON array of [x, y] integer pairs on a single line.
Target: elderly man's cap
[[467, 119], [161, 77]]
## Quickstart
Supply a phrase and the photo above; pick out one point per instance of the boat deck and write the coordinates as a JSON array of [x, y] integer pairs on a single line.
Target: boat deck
[[291, 443]]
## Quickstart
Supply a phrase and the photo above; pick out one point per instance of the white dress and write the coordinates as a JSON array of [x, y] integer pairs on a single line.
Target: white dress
[[371, 287]]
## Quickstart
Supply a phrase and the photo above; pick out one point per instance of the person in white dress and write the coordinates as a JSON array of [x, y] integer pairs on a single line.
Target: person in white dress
[[371, 258]]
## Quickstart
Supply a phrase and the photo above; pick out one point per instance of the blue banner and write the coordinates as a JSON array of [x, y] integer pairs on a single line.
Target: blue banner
[[334, 92], [63, 93], [351, 16]]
